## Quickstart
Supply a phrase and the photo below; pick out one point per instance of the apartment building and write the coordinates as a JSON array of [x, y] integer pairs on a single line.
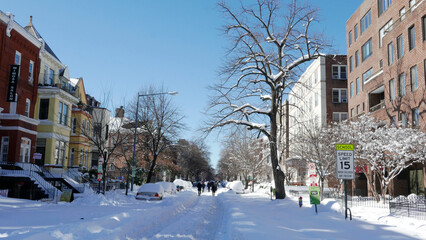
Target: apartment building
[[19, 68], [386, 49], [56, 96], [319, 97]]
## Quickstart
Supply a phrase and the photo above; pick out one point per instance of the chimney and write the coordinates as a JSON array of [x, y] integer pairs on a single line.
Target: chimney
[[119, 112]]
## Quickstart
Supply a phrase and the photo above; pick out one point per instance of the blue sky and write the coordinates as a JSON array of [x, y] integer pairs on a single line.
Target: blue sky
[[121, 47]]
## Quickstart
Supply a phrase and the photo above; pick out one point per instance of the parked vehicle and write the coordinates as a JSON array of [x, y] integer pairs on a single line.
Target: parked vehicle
[[150, 191], [169, 187], [236, 186]]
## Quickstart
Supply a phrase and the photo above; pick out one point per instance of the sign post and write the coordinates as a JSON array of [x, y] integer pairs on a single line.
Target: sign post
[[314, 190], [345, 167], [100, 163]]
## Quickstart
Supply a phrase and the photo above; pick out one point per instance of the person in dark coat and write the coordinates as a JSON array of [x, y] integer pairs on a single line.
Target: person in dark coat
[[214, 188], [209, 185], [199, 186]]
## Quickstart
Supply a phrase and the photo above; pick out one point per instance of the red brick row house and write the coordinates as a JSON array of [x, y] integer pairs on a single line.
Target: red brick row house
[[18, 128]]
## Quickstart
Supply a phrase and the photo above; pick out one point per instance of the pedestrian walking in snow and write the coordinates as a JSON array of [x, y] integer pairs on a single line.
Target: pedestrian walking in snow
[[204, 186], [209, 185], [199, 186], [214, 188]]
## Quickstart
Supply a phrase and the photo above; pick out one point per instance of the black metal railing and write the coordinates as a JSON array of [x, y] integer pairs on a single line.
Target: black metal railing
[[411, 206], [19, 169]]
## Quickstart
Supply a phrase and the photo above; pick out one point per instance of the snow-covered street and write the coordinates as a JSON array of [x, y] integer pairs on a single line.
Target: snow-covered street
[[186, 216]]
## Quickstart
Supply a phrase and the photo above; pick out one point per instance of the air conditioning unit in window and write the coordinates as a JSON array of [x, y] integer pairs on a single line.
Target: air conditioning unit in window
[[344, 100], [335, 76]]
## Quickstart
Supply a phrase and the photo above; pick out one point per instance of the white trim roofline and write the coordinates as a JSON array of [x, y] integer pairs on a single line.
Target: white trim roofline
[[8, 18]]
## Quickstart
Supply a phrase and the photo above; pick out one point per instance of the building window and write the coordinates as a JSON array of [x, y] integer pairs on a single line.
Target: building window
[[63, 113], [351, 89], [366, 50], [59, 153], [350, 38], [403, 119], [424, 27], [339, 72], [367, 75], [383, 31], [402, 13], [4, 148], [413, 77], [365, 21], [413, 4], [340, 96], [81, 157], [350, 63], [31, 72], [358, 110], [392, 89], [51, 77], [87, 128], [416, 117], [411, 38], [18, 61], [44, 109], [27, 107], [83, 127], [401, 79], [356, 59], [390, 53], [340, 116], [25, 150], [71, 161], [74, 125], [383, 5], [352, 113], [356, 32], [358, 87], [399, 47]]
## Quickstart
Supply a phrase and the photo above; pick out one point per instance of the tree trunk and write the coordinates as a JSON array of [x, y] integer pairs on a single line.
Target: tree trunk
[[278, 174], [151, 169]]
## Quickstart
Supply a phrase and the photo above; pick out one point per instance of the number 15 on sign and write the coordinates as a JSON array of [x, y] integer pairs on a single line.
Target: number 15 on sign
[[345, 161]]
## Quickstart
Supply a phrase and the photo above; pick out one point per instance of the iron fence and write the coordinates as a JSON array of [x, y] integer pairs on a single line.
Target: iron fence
[[411, 206]]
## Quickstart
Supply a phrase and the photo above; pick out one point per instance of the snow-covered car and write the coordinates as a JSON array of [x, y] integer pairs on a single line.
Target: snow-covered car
[[182, 184], [150, 191], [236, 186], [168, 187]]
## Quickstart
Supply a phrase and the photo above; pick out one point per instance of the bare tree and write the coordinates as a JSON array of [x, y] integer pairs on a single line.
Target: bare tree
[[193, 160], [160, 124], [269, 43]]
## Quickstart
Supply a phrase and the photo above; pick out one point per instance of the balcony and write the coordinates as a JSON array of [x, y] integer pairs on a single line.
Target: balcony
[[377, 99], [57, 81]]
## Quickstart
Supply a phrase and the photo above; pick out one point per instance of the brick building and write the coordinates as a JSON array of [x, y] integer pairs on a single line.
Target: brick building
[[318, 98], [387, 60], [18, 128]]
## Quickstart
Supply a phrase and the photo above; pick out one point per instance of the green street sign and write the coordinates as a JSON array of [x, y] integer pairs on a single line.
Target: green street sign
[[314, 195]]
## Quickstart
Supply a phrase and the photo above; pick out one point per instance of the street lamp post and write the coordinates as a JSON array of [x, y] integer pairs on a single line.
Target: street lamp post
[[136, 126]]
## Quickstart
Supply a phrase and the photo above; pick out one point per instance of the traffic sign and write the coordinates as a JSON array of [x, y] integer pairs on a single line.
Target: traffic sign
[[345, 161], [314, 195]]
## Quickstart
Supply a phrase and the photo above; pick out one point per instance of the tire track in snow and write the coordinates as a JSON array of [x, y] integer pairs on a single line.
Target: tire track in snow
[[201, 221]]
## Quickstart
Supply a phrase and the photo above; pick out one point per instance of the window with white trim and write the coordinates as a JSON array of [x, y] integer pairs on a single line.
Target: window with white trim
[[60, 153], [339, 72], [402, 13], [340, 95], [4, 148], [340, 116], [31, 72], [384, 30], [18, 57], [27, 107], [83, 127], [25, 150], [367, 75]]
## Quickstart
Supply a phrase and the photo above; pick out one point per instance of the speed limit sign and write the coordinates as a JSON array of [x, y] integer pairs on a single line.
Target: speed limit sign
[[345, 161]]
